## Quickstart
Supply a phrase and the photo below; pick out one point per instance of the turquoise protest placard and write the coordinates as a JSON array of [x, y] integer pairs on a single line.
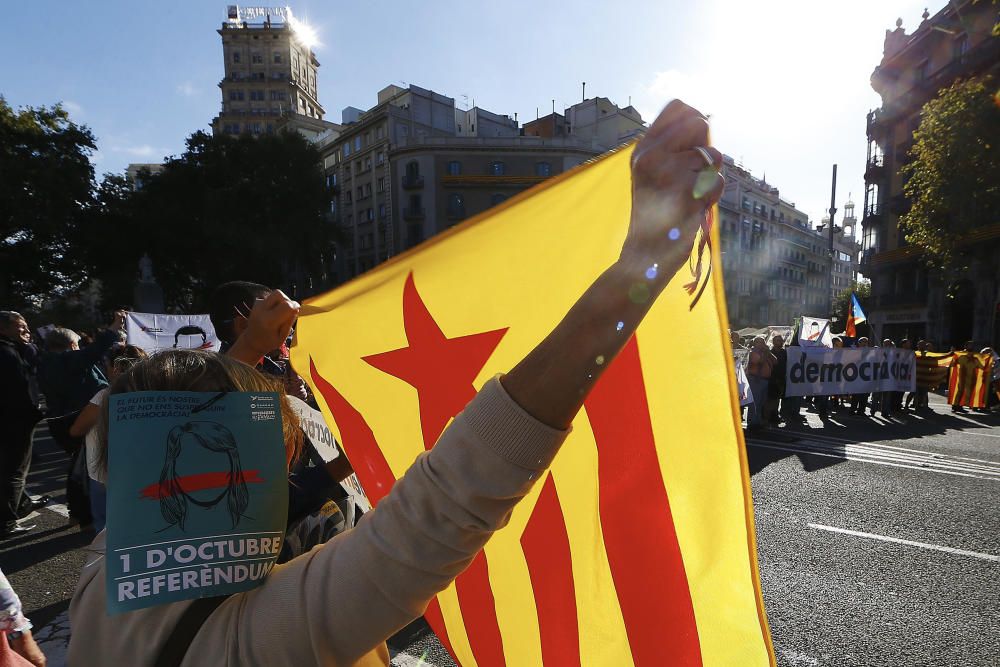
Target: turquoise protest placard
[[197, 495]]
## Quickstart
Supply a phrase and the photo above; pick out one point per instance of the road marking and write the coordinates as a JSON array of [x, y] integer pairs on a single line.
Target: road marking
[[847, 441], [863, 455], [407, 660], [911, 543]]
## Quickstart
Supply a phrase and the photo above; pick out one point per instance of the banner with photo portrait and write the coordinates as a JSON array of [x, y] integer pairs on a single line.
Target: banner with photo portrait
[[815, 332], [199, 502], [156, 331]]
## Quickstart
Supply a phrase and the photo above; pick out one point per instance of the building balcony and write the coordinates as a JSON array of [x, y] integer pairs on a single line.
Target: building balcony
[[413, 182], [876, 122], [875, 169], [414, 213], [872, 215]]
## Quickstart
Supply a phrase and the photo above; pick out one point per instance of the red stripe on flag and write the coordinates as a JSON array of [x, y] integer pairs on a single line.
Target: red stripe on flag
[[639, 534], [371, 467], [479, 613], [358, 440], [546, 549], [435, 619]]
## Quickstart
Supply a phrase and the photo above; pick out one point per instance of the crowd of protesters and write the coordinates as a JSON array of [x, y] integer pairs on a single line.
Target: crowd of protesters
[[765, 370]]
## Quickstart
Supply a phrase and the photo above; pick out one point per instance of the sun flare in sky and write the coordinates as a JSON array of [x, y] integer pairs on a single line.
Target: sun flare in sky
[[306, 33]]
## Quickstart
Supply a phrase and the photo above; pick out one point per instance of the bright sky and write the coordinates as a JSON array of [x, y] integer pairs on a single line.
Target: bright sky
[[786, 81]]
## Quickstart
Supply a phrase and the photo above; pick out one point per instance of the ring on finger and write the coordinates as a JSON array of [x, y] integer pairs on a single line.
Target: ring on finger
[[709, 161]]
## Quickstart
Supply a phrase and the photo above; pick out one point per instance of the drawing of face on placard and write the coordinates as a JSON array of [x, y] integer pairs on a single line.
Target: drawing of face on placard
[[192, 330], [185, 488]]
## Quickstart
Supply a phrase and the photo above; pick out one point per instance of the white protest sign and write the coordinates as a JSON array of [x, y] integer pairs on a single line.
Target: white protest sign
[[155, 331], [820, 371], [325, 444], [815, 332]]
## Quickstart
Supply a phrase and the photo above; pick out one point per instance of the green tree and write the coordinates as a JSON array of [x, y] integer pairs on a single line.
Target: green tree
[[953, 181], [228, 208], [45, 181]]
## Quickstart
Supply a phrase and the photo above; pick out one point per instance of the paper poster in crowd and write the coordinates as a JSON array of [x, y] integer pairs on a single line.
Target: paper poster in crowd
[[154, 331], [199, 502], [825, 372], [784, 332], [741, 356], [325, 444], [743, 386], [815, 332]]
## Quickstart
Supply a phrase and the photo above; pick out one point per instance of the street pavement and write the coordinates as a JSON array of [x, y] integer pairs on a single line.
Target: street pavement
[[879, 543]]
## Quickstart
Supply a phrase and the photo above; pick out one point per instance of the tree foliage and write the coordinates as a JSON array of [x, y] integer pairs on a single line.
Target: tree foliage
[[228, 208], [45, 182], [953, 181]]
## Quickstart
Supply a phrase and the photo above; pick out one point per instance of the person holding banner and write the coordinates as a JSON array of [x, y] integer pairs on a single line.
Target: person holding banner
[[967, 366], [336, 604]]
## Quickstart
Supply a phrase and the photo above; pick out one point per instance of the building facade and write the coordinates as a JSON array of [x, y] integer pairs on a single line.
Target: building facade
[[414, 165], [776, 266], [909, 300], [270, 77]]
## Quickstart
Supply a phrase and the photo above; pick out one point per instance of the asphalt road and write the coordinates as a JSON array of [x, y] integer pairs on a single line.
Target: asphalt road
[[879, 543]]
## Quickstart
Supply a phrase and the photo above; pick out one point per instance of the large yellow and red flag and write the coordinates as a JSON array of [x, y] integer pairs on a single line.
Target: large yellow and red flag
[[970, 379], [638, 547]]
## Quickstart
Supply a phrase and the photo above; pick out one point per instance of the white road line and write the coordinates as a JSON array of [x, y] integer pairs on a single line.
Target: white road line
[[911, 543], [846, 457], [892, 453], [847, 441]]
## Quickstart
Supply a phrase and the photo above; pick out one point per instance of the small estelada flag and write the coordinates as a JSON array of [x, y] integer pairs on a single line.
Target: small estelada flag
[[855, 316], [637, 547]]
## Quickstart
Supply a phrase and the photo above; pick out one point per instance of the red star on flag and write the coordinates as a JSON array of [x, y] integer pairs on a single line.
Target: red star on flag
[[441, 369]]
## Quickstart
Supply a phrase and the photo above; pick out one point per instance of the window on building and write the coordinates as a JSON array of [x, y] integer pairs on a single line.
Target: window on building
[[380, 184], [256, 58], [368, 189], [543, 169], [360, 193], [278, 95], [236, 56], [380, 132], [347, 149], [357, 143], [456, 206], [368, 163], [357, 166], [380, 158], [497, 198], [922, 71], [454, 168], [236, 95], [412, 170], [276, 59], [497, 168], [961, 46], [381, 211]]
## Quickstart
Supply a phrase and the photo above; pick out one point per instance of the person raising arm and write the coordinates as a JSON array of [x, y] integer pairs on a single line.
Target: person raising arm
[[336, 604]]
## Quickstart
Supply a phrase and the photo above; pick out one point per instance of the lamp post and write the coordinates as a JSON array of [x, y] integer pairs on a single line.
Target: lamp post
[[833, 230]]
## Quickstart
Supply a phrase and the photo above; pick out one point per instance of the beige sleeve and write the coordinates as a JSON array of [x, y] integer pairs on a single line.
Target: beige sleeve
[[341, 600]]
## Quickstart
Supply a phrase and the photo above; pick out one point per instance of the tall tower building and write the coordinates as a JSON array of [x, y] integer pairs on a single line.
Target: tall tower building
[[270, 74]]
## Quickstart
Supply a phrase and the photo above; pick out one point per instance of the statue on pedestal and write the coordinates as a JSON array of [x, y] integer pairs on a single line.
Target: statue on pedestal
[[148, 295]]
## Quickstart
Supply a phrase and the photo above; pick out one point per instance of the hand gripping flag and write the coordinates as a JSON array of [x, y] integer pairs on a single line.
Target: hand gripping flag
[[637, 548], [855, 316]]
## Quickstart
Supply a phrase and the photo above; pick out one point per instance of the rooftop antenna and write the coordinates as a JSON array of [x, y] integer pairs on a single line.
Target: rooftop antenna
[[536, 113], [584, 96], [466, 100], [630, 100], [553, 106]]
